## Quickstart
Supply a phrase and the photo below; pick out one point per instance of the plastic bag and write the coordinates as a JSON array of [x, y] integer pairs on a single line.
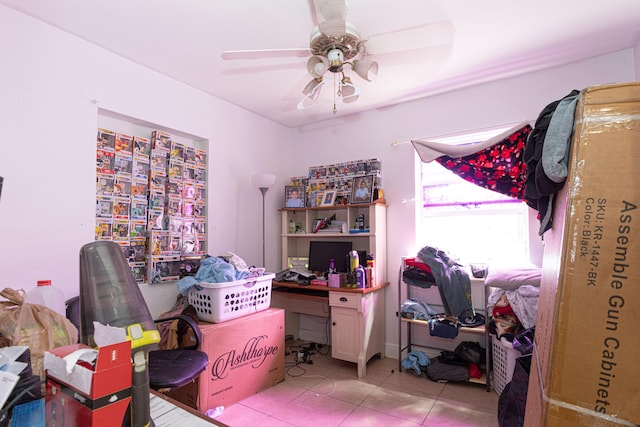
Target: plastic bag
[[35, 326]]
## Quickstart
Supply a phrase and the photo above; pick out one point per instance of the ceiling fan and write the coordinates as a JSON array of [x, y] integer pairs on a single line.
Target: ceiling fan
[[336, 43]]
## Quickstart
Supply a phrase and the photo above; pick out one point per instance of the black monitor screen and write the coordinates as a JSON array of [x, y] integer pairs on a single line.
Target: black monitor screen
[[321, 252]]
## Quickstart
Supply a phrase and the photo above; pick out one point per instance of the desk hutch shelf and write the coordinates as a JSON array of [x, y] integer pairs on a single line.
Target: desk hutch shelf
[[356, 315], [372, 239]]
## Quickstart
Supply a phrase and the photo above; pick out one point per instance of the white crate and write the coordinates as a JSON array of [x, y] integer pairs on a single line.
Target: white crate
[[219, 302], [504, 363]]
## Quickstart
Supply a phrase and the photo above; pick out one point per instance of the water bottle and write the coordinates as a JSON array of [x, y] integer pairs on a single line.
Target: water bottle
[[360, 277], [354, 260], [47, 295]]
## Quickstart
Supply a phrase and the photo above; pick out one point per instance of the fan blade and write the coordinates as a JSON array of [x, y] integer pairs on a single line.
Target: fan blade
[[331, 16], [265, 53], [436, 34]]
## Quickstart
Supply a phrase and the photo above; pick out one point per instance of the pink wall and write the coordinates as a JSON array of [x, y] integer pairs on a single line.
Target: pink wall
[[477, 107], [51, 96], [56, 83]]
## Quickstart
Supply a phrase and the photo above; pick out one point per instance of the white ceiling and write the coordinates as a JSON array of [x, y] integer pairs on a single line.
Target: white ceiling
[[492, 39]]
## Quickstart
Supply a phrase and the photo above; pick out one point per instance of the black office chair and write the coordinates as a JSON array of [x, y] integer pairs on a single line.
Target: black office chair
[[171, 369], [168, 369]]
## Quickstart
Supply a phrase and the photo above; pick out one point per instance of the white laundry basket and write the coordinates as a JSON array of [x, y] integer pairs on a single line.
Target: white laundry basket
[[504, 363], [219, 302]]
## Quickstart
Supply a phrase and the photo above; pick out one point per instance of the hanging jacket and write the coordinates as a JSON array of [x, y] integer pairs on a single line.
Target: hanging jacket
[[453, 282], [539, 188]]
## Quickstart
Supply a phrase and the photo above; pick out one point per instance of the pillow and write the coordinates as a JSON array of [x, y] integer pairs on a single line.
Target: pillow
[[510, 278]]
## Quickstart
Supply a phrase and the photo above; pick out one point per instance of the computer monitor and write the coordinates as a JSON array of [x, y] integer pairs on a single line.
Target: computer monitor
[[321, 252]]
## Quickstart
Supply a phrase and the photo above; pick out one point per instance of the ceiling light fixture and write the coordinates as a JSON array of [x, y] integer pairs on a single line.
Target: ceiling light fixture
[[332, 53]]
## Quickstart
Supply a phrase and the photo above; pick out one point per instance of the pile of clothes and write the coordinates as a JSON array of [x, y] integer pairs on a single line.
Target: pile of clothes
[[513, 303], [225, 268]]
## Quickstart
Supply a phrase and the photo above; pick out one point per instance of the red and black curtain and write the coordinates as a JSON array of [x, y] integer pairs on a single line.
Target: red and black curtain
[[500, 167]]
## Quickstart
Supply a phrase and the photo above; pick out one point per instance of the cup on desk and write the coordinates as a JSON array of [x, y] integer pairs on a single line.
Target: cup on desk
[[334, 280]]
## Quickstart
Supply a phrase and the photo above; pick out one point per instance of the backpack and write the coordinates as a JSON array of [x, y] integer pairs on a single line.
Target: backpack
[[444, 372], [471, 352]]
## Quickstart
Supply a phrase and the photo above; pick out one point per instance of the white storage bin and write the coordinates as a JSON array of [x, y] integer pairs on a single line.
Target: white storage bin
[[504, 363], [219, 302]]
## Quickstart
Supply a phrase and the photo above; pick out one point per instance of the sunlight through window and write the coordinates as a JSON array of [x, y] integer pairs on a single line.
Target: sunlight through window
[[471, 223]]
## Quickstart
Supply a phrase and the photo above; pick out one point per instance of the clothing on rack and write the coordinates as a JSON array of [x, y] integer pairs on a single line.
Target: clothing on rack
[[452, 280]]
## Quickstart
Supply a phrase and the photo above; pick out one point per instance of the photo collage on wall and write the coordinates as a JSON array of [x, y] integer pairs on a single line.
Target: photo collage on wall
[[340, 178], [151, 199]]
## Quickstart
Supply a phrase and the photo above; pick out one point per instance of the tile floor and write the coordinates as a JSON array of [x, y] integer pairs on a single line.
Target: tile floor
[[328, 393]]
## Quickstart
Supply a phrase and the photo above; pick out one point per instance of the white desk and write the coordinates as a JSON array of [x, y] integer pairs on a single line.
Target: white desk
[[357, 317], [167, 412]]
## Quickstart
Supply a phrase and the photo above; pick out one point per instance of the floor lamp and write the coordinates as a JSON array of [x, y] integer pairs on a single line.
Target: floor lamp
[[263, 181]]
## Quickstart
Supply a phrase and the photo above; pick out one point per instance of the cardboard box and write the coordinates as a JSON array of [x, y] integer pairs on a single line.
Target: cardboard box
[[246, 355], [86, 397], [187, 394], [585, 369]]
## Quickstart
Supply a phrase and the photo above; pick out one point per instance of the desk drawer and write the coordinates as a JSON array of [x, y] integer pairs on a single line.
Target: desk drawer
[[344, 299], [298, 303]]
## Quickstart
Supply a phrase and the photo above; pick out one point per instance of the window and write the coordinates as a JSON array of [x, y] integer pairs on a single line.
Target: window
[[469, 222]]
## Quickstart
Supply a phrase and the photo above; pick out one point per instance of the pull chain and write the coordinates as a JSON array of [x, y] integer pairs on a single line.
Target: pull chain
[[335, 94]]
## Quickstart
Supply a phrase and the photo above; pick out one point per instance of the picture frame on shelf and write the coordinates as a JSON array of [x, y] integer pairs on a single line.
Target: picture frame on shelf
[[294, 196], [342, 200], [329, 198], [362, 189]]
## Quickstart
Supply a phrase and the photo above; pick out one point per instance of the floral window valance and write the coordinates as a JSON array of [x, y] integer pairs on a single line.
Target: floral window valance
[[496, 164], [500, 168]]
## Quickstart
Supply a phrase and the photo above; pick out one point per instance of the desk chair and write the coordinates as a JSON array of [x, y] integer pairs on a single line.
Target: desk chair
[[168, 369]]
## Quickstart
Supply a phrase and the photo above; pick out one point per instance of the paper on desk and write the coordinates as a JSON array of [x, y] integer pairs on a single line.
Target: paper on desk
[[12, 353], [9, 359], [8, 381], [14, 367]]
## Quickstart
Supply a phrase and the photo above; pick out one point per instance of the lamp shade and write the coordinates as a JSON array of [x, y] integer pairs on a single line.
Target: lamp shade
[[312, 89], [365, 69], [263, 180], [311, 93], [350, 92], [317, 65], [351, 98]]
